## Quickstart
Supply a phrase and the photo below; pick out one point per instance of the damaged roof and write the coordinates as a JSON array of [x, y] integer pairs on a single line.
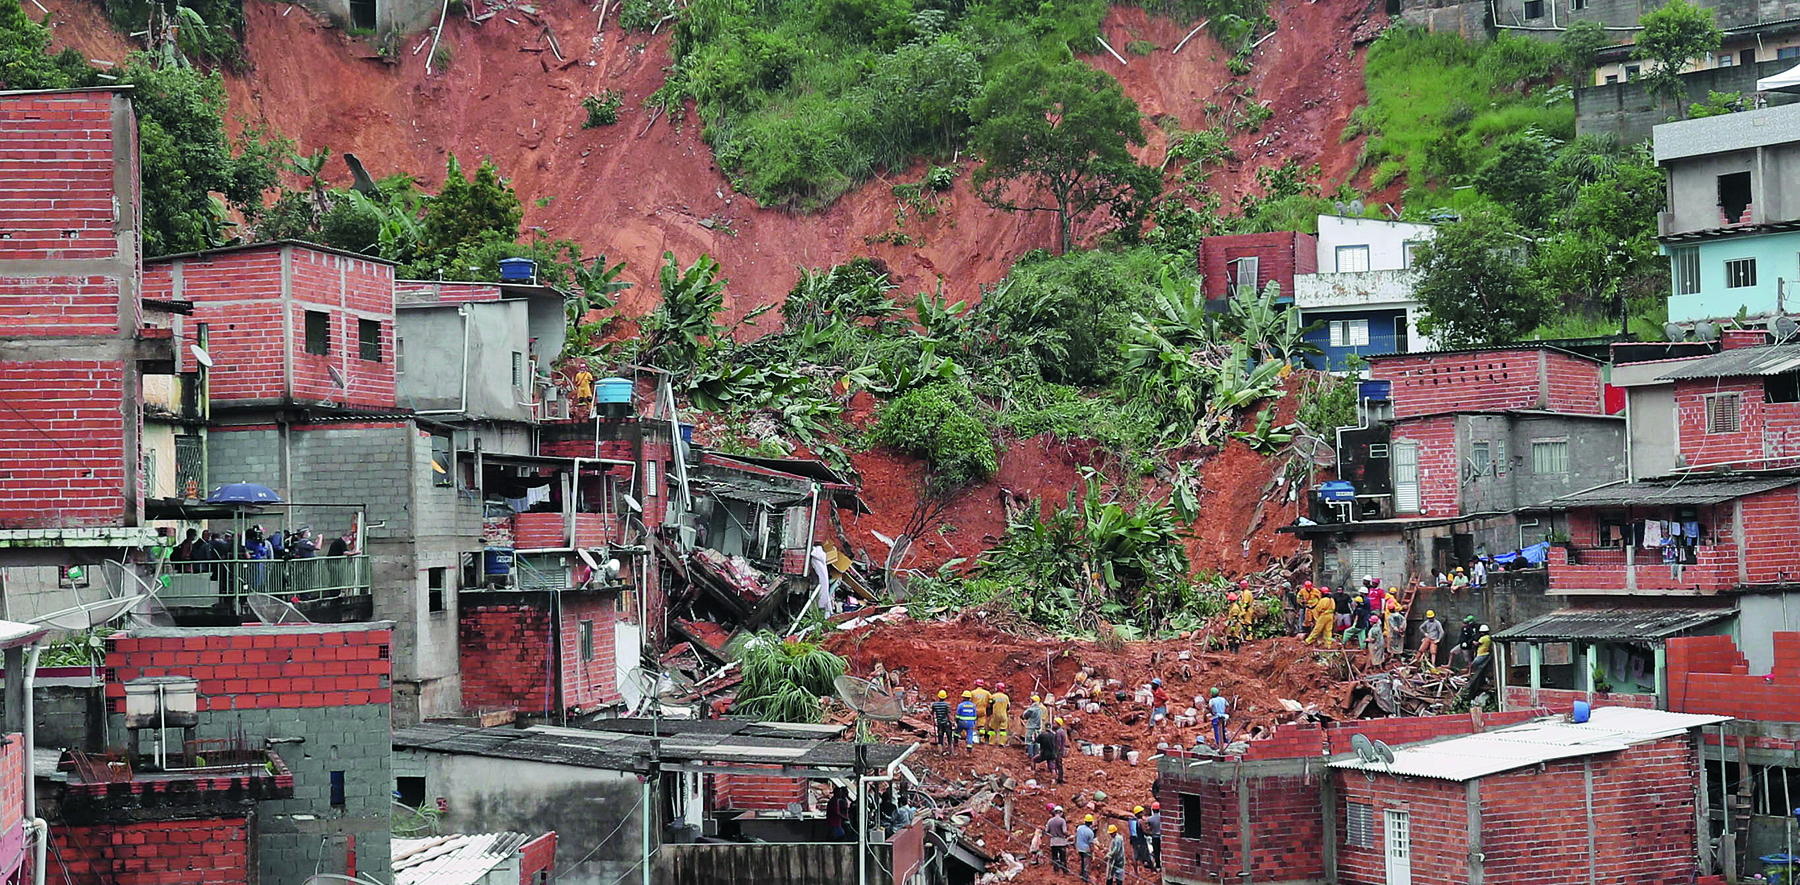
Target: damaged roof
[[727, 741], [1613, 625], [455, 859], [1608, 730], [1674, 491], [1772, 360]]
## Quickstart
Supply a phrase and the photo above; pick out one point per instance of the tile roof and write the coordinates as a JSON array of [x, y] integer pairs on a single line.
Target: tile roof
[[1676, 491], [452, 859]]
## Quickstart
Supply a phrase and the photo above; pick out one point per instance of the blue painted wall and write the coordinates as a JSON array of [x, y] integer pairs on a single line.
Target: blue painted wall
[[1381, 335], [1777, 258]]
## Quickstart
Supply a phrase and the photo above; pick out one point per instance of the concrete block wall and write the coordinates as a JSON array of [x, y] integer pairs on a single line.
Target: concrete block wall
[[1279, 256], [210, 851], [1629, 111], [1519, 378], [1560, 700], [320, 695]]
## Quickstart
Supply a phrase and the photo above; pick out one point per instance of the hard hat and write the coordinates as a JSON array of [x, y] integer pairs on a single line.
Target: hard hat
[[1057, 809], [1359, 599], [1243, 582], [942, 694], [1088, 819], [1231, 597], [1156, 806], [1112, 828], [1484, 629], [981, 682], [1309, 583], [1000, 685], [1059, 720], [1430, 614], [1138, 809], [1459, 570], [1369, 578], [1215, 691], [1035, 699], [968, 694], [1468, 619], [1156, 681], [1049, 806], [1393, 589]]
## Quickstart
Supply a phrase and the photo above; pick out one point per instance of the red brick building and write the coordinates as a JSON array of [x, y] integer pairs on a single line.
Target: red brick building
[[1235, 261], [1461, 804]]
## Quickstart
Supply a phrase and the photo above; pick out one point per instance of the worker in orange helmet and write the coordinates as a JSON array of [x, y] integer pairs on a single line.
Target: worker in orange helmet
[[999, 708], [1324, 621], [1153, 827]]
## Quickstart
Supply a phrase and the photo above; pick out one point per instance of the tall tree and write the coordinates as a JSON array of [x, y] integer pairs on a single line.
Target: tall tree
[[1061, 129], [470, 212], [1474, 284], [1672, 38]]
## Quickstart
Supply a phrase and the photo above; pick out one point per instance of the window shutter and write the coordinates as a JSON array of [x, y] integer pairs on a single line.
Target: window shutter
[[1722, 413], [1359, 825]]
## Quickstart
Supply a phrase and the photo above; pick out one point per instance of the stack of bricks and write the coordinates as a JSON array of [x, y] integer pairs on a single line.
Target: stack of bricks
[[212, 851], [256, 670], [505, 652], [1517, 378], [1707, 674]]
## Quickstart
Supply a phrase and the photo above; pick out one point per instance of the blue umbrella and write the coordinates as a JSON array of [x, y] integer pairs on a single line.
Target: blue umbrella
[[243, 493]]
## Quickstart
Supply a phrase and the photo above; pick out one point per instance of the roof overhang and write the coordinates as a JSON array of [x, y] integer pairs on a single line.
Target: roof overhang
[[1613, 625]]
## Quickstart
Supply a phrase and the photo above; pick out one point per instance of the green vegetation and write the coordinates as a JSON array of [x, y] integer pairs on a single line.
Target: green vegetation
[[942, 425], [602, 109], [1675, 35], [210, 31], [785, 680]]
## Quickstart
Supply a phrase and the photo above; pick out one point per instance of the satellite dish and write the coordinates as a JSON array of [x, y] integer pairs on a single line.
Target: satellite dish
[[631, 502], [270, 610], [883, 538], [1384, 752], [337, 377], [149, 612], [1339, 205], [200, 355], [868, 699], [1785, 327], [86, 617], [1705, 331], [1675, 332], [1356, 208], [642, 683], [1364, 749]]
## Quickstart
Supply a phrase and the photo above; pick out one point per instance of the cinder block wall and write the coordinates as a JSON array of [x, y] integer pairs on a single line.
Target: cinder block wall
[[318, 696]]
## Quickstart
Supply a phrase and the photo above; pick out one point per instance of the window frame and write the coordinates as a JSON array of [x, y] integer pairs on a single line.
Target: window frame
[[441, 446], [1481, 456], [1684, 270], [1349, 333], [1539, 447], [1359, 249], [435, 579], [1254, 263], [1359, 825], [1716, 414], [1191, 817], [399, 355], [367, 344], [317, 341], [518, 370], [585, 639], [1736, 278], [1527, 9]]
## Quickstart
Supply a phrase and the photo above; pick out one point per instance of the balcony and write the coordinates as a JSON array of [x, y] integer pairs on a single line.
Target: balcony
[[204, 779], [561, 531], [1315, 291], [1605, 571], [331, 589]]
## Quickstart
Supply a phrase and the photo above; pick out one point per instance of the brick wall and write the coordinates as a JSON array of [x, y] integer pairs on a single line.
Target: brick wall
[[1766, 431], [1524, 378], [1562, 700], [506, 662], [1771, 536], [1440, 472], [1279, 256], [64, 438], [749, 791], [308, 688], [212, 851], [428, 291], [12, 804], [1437, 818], [1707, 674], [589, 682], [538, 856]]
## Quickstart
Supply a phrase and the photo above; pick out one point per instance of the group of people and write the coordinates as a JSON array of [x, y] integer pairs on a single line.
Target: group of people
[[210, 546], [985, 716], [1373, 618], [892, 806], [1143, 832]]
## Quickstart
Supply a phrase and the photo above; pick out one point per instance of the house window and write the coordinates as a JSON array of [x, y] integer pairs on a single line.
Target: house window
[[1787, 52], [1549, 457], [1352, 259], [587, 640], [1631, 72], [362, 14], [1722, 413], [1782, 388], [409, 791], [1408, 251], [1577, 5], [1190, 818], [318, 332], [1500, 462], [1365, 560], [441, 462], [1359, 825], [1350, 333], [337, 789], [368, 339], [518, 370], [1684, 267], [1378, 450], [1402, 341], [1734, 196], [1481, 457], [434, 589], [399, 356], [1611, 79], [1534, 9], [650, 479], [1614, 530], [1726, 60], [1740, 273], [1247, 275]]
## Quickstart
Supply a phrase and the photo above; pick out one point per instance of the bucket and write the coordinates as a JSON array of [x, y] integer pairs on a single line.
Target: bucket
[[1580, 712], [687, 434], [517, 270], [612, 390]]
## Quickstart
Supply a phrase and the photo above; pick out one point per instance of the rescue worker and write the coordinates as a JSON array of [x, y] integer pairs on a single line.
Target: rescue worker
[[1459, 580], [1344, 599], [1034, 723], [1396, 627], [1373, 642], [1153, 827], [1431, 632], [1140, 840], [1359, 620], [1057, 830], [1481, 667], [999, 706], [1324, 614], [940, 715], [1220, 711], [965, 718], [1049, 751], [1115, 856], [1377, 599], [1159, 703], [1464, 652], [1234, 628], [1084, 844], [981, 696]]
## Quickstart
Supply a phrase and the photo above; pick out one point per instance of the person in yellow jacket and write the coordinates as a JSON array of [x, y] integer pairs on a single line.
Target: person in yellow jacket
[[981, 696], [1324, 614], [999, 706]]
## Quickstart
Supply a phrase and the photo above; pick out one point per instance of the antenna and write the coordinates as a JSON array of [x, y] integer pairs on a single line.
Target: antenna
[[1364, 749], [643, 684], [337, 377], [86, 617], [1785, 328], [1675, 332], [271, 610], [150, 611], [1384, 752], [1340, 207]]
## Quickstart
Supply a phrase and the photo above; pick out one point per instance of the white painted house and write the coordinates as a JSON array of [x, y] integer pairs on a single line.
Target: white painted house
[[1363, 291]]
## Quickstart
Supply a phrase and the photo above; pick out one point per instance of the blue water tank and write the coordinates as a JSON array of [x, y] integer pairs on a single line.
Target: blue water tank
[[1375, 390], [497, 561], [1580, 712], [517, 270], [612, 390], [1337, 490]]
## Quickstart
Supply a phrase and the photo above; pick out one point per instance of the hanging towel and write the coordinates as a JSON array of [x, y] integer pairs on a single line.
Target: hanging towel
[[1690, 529], [537, 495], [1653, 535]]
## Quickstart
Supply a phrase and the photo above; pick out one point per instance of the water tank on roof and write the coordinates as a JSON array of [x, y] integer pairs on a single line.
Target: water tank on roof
[[517, 270], [497, 561], [1375, 390], [1336, 491]]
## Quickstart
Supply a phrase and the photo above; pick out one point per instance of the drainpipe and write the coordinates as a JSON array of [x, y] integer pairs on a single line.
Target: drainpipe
[[862, 813], [38, 851], [31, 819], [462, 310]]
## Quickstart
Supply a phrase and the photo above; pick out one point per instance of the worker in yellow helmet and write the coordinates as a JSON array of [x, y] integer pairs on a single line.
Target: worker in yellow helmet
[[1084, 843], [966, 719], [981, 696], [1431, 632], [1034, 723], [940, 716], [999, 712], [1115, 856]]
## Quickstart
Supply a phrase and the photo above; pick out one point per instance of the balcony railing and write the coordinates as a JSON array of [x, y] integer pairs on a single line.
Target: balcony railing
[[553, 531], [324, 588]]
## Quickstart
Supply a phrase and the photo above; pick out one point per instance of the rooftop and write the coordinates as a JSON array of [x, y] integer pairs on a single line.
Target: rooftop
[[268, 244], [1551, 346], [455, 859], [1676, 491], [1608, 730], [1744, 361], [1613, 625], [1728, 132], [621, 744]]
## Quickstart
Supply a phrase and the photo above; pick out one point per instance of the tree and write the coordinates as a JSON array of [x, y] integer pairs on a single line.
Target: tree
[[1672, 38], [1061, 129], [469, 212], [1602, 250], [23, 64], [1581, 45], [1518, 176], [1474, 285]]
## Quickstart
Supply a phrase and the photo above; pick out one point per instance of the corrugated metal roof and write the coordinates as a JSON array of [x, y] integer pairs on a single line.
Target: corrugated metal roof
[[1613, 625], [750, 743], [1744, 361], [1727, 132], [1608, 730], [453, 859], [1679, 491]]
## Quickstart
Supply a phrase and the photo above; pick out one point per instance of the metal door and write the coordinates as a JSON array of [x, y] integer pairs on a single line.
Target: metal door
[[1399, 849], [1406, 476]]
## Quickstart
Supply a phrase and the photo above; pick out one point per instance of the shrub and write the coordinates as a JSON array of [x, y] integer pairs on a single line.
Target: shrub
[[602, 109], [937, 423]]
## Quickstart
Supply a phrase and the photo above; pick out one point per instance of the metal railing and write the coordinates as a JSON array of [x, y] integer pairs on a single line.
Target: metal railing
[[220, 584]]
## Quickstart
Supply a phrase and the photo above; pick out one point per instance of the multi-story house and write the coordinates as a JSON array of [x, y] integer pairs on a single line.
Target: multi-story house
[[1732, 225], [1361, 296], [1451, 445]]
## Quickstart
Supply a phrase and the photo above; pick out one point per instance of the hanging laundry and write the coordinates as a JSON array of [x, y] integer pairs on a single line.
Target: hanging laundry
[[1653, 533], [537, 495], [1690, 529]]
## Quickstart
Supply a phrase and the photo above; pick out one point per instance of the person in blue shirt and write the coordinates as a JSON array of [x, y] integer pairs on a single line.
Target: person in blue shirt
[[1084, 843], [1221, 713], [965, 719]]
